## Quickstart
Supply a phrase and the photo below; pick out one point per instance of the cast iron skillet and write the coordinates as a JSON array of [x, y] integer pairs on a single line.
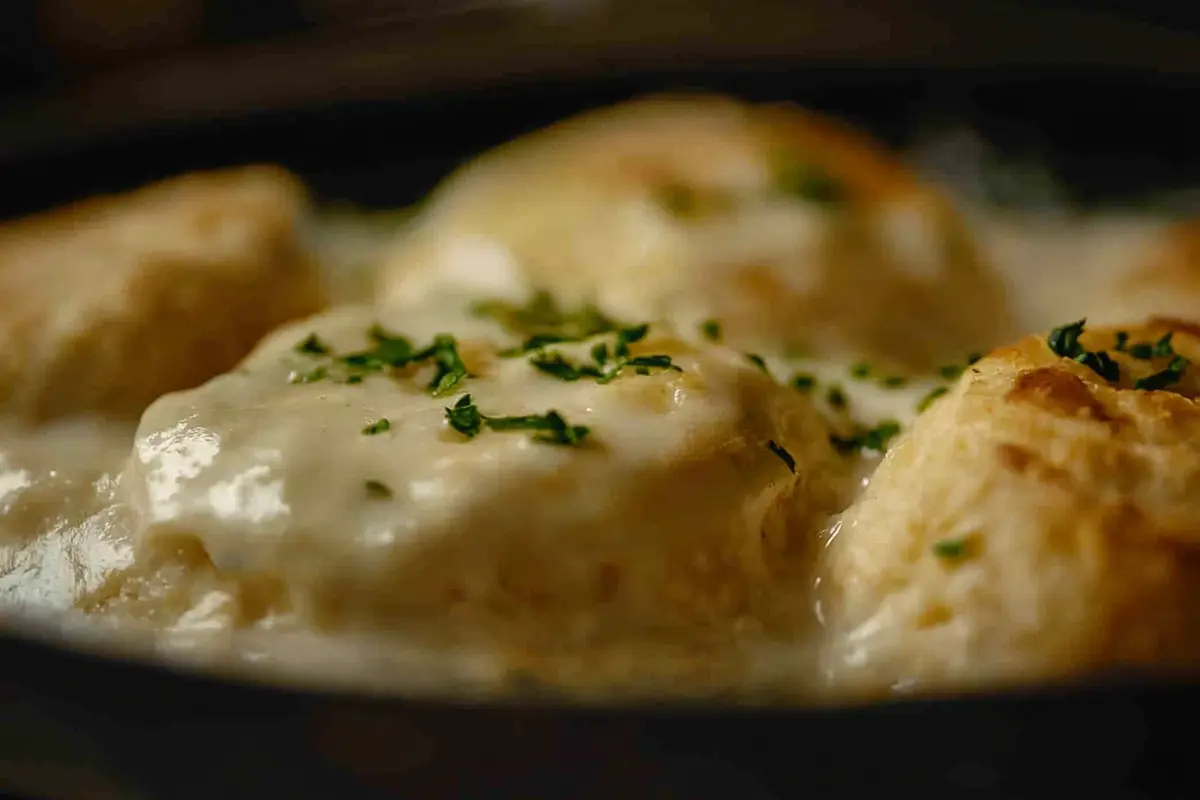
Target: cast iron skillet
[[77, 725]]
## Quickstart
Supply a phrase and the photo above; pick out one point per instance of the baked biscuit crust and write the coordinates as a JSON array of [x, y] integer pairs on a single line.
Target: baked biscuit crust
[[111, 302]]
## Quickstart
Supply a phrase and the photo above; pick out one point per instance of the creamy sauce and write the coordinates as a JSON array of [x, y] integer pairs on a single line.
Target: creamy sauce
[[283, 538]]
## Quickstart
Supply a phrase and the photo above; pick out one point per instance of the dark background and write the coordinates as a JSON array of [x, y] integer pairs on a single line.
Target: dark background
[[372, 101]]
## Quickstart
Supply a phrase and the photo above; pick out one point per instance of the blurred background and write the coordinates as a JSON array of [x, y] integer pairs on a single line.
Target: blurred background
[[78, 75]]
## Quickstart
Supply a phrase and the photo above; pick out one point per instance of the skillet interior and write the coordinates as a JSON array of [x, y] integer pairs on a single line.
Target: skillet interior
[[1121, 138]]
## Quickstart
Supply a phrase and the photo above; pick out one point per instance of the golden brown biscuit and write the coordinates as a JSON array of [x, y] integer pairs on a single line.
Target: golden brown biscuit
[[780, 223], [111, 302], [1165, 283], [1037, 522]]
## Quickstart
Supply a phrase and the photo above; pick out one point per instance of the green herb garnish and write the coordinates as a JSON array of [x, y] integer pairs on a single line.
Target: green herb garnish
[[836, 397], [607, 367], [950, 549], [758, 361], [804, 382], [1164, 378], [860, 371], [450, 369], [875, 438], [550, 427], [1122, 340], [378, 426], [679, 199], [541, 318], [803, 180], [711, 330], [1064, 340], [377, 489], [464, 417], [926, 401], [312, 346], [783, 454], [951, 372], [893, 381], [1100, 363]]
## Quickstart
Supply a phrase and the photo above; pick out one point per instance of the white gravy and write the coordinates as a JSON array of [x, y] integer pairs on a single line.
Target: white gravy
[[63, 534]]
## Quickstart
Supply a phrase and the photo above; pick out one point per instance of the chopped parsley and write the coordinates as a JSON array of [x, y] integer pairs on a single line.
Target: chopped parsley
[[464, 416], [973, 356], [928, 400], [388, 351], [951, 372], [543, 322], [679, 199], [836, 397], [1164, 378], [607, 365], [950, 549], [711, 330], [312, 346], [893, 381], [377, 489], [378, 426], [549, 427], [1064, 341], [1100, 363], [804, 381], [1144, 351], [758, 361], [783, 454], [450, 369], [803, 180], [860, 371], [1122, 341], [876, 438]]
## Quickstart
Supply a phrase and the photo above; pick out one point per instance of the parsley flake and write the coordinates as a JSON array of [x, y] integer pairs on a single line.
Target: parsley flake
[[783, 454], [876, 438], [836, 397], [378, 426], [1064, 340], [312, 346], [805, 181], [377, 490], [804, 382], [928, 400], [758, 361], [464, 416], [860, 371], [1100, 363], [1164, 378], [541, 319], [950, 549], [711, 330]]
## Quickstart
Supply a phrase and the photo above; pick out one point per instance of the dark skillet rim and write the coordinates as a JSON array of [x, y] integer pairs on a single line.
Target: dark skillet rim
[[30, 660]]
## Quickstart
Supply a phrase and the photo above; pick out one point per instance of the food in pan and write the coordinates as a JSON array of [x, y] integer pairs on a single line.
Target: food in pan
[[693, 208], [686, 391]]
